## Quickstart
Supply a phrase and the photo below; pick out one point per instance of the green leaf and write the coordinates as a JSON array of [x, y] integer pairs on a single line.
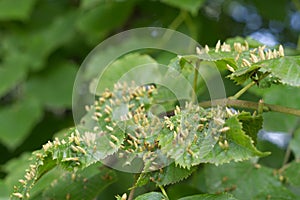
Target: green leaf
[[292, 173], [287, 69], [70, 152], [188, 5], [89, 3], [170, 92], [251, 124], [98, 21], [254, 64], [243, 74], [183, 66], [4, 192], [172, 174], [47, 165], [294, 144], [166, 98], [30, 48], [151, 195], [209, 197], [15, 168], [224, 58], [78, 151], [244, 180], [190, 134], [182, 189], [85, 184], [9, 10], [195, 136], [120, 67], [44, 88], [17, 120], [43, 183], [118, 114], [50, 37], [168, 175], [276, 193], [211, 55], [11, 74], [240, 145], [186, 69]]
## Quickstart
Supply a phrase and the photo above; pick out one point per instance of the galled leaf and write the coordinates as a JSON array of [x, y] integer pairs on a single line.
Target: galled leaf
[[84, 184], [287, 69], [195, 136], [191, 134], [234, 145]]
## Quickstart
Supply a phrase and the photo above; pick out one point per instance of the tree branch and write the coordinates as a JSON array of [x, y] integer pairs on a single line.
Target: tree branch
[[251, 105]]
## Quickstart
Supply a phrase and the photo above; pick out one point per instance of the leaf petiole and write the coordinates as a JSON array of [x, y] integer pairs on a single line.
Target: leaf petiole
[[163, 191], [243, 90], [195, 81]]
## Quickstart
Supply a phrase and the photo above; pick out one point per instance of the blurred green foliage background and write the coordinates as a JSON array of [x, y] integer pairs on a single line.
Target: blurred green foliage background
[[44, 42]]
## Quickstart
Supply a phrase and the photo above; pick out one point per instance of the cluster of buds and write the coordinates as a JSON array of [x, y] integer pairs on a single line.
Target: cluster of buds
[[255, 55]]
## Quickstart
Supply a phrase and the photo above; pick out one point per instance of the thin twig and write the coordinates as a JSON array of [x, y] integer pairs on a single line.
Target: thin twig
[[248, 86], [288, 150], [174, 25], [131, 194], [243, 90], [195, 81], [251, 105], [163, 191]]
